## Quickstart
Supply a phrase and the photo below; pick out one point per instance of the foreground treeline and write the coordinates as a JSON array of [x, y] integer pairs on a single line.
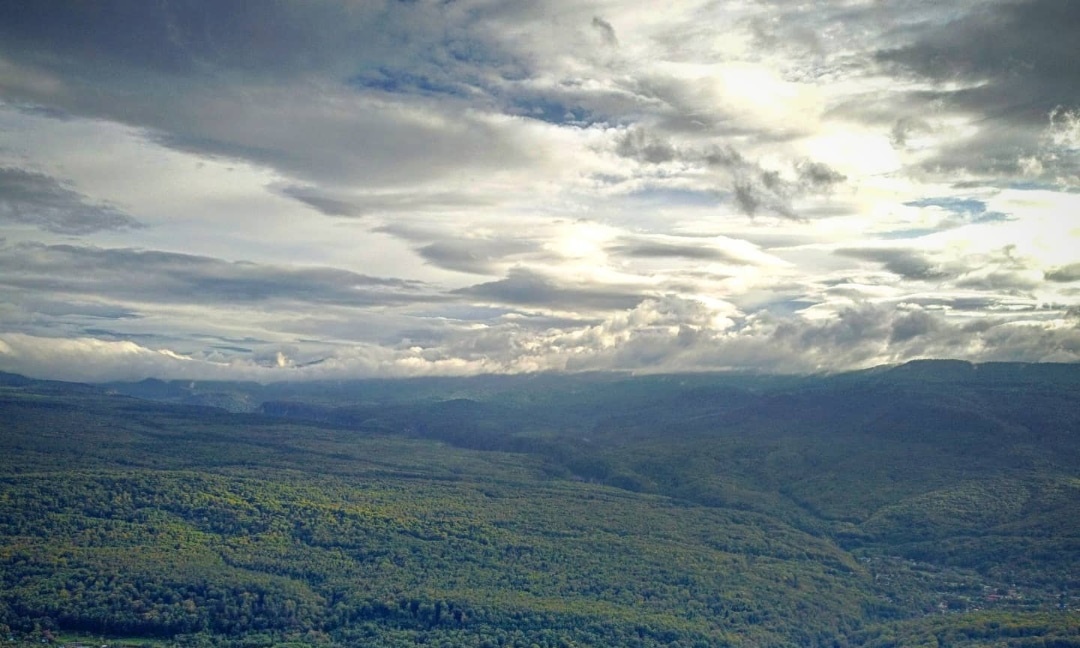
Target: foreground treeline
[[707, 516], [166, 553]]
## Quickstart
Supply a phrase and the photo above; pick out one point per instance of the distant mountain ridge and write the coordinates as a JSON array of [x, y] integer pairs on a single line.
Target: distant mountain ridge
[[247, 396]]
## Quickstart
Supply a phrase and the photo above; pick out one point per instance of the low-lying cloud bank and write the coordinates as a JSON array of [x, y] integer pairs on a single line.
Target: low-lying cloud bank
[[659, 335]]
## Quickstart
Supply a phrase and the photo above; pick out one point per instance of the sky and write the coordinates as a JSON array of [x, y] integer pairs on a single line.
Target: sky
[[330, 189]]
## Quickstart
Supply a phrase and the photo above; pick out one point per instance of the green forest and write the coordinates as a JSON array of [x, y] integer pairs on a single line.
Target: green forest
[[930, 504]]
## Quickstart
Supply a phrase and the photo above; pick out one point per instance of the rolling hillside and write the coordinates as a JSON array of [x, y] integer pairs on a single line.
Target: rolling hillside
[[928, 504]]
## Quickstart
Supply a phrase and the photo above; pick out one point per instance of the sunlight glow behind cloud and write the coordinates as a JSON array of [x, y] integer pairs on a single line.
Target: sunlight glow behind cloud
[[451, 188]]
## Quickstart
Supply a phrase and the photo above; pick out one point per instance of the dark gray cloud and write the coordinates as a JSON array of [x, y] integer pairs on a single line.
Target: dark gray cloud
[[1001, 280], [607, 32], [857, 326], [1021, 51], [166, 277], [818, 176], [320, 202], [1065, 274], [177, 37], [477, 256], [909, 264], [81, 309], [824, 41], [385, 203], [724, 157], [752, 188], [1013, 61], [862, 334], [906, 127], [874, 333], [528, 288], [33, 313], [913, 325], [1006, 343], [639, 145], [646, 249], [31, 198], [281, 83], [753, 197]]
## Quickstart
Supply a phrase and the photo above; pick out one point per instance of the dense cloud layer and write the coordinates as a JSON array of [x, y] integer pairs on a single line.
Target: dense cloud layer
[[310, 189], [38, 200]]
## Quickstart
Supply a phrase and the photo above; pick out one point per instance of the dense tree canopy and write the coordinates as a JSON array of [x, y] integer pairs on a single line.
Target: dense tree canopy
[[865, 510]]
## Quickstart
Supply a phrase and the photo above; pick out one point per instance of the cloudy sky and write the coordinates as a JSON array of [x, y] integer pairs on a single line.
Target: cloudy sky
[[346, 188]]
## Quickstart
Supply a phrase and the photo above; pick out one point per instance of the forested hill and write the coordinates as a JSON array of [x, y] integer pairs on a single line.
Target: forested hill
[[928, 504]]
